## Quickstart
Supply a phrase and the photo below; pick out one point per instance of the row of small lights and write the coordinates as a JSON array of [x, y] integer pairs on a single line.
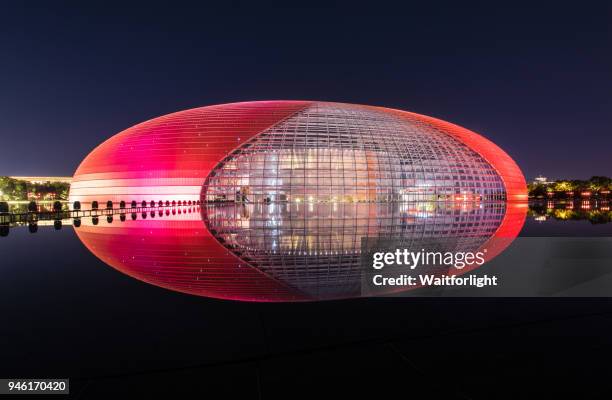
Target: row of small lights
[[134, 216], [583, 194], [122, 204], [335, 199]]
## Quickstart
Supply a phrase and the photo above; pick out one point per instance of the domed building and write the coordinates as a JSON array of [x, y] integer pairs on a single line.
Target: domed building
[[289, 190], [296, 151]]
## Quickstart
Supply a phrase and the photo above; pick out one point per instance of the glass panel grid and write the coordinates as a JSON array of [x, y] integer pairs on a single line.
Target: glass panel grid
[[339, 153]]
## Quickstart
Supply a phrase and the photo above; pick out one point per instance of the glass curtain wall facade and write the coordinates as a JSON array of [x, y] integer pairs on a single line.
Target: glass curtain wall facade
[[332, 152]]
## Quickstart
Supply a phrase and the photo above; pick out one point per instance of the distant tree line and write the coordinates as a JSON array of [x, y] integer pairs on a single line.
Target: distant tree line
[[18, 190], [597, 186]]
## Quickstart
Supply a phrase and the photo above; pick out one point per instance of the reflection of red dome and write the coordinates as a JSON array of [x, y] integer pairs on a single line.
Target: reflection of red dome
[[227, 259], [180, 254], [170, 157]]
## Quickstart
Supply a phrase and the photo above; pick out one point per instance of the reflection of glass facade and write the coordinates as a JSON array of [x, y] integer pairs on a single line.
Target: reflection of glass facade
[[336, 152], [288, 251], [316, 247]]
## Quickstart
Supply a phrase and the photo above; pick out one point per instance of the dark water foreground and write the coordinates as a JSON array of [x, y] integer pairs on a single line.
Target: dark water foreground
[[67, 314]]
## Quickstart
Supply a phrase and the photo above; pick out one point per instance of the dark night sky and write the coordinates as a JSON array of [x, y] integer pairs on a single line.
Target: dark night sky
[[536, 79]]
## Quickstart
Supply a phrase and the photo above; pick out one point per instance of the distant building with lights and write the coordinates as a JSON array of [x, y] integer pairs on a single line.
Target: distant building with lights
[[541, 180]]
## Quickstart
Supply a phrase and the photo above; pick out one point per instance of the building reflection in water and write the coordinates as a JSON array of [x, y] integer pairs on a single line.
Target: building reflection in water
[[289, 251], [593, 210]]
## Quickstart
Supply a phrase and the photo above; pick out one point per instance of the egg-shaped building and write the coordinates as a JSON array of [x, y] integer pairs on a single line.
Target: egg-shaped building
[[296, 151], [289, 190]]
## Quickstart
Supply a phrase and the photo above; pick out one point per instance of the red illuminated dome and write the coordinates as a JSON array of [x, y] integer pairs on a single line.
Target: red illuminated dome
[[288, 190], [296, 151]]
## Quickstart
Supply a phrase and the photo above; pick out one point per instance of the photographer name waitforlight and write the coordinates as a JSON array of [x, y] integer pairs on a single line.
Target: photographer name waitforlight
[[412, 260]]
